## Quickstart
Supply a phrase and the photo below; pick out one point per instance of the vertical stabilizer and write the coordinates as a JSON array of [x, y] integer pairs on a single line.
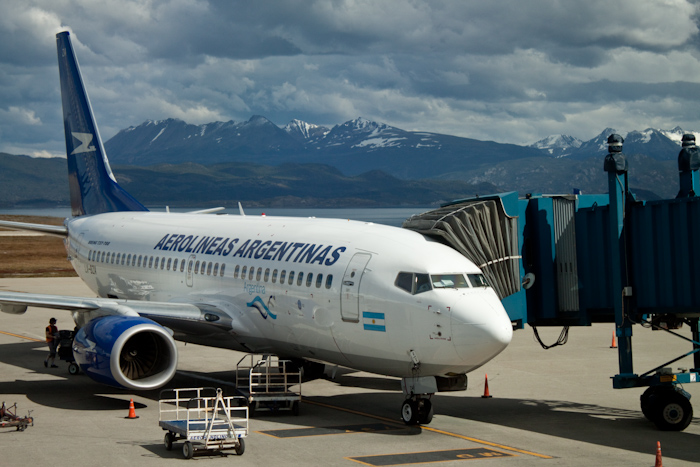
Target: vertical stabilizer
[[93, 188]]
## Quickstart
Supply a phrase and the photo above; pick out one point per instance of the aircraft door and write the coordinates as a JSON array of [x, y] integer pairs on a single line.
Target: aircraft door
[[350, 291], [190, 265]]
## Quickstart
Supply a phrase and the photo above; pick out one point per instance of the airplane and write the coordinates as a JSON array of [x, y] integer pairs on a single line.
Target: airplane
[[370, 297]]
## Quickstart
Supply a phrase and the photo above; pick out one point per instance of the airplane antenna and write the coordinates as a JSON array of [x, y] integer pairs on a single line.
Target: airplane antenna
[[240, 209], [167, 209]]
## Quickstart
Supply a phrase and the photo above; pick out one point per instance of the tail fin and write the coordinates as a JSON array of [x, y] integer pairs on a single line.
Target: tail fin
[[93, 188]]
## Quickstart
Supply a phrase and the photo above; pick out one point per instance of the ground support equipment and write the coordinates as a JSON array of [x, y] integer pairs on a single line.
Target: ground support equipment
[[267, 382], [204, 418], [9, 418], [65, 350]]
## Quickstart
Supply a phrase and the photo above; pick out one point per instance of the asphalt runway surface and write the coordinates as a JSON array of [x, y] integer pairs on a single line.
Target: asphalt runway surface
[[548, 407]]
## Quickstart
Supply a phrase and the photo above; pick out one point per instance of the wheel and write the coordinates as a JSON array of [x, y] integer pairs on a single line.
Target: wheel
[[240, 449], [409, 412], [168, 441], [425, 412], [73, 368], [646, 402], [187, 450], [295, 408], [672, 411]]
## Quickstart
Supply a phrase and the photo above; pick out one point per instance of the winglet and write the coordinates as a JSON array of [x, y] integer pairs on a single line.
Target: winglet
[[93, 188]]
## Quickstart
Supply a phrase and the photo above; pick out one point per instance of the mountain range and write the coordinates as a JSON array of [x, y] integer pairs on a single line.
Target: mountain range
[[554, 164]]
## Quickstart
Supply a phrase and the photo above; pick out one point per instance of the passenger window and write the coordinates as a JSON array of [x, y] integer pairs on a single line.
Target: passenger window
[[245, 268], [204, 267], [175, 265], [274, 276], [319, 281], [283, 276], [182, 265], [291, 278], [209, 269], [196, 267], [309, 279], [216, 270], [221, 272], [118, 258], [267, 274], [235, 272], [139, 263], [150, 261], [189, 267], [300, 279], [169, 262], [128, 260], [478, 280], [257, 276], [162, 263], [112, 258], [251, 273], [329, 281]]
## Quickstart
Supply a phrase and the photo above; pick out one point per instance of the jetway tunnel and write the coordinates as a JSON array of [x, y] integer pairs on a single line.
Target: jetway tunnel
[[574, 260]]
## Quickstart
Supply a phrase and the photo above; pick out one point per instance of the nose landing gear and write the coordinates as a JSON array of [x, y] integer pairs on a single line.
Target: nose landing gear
[[417, 410]]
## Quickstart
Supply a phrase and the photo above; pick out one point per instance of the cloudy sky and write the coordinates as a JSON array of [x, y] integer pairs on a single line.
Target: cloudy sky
[[507, 71]]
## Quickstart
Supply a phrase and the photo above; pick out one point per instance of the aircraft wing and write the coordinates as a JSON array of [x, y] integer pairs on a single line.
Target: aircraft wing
[[55, 230], [181, 318]]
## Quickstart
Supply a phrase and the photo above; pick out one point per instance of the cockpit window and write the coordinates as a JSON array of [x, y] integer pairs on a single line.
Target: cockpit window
[[478, 280], [413, 283], [448, 281]]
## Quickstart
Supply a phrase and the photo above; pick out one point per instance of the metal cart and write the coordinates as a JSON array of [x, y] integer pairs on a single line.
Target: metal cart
[[204, 418], [9, 418], [266, 382], [65, 350]]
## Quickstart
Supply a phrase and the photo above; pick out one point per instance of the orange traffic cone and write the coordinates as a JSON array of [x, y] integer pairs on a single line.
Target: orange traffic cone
[[132, 411], [659, 462], [486, 387], [613, 345]]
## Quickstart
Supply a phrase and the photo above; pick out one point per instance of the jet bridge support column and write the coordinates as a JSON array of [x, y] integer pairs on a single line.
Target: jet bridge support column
[[688, 165], [616, 167]]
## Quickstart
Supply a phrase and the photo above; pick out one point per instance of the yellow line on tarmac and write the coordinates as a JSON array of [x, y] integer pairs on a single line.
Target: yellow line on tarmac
[[23, 337], [487, 443], [434, 430]]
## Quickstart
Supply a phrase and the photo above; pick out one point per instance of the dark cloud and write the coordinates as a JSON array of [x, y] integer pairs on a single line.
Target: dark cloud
[[508, 71]]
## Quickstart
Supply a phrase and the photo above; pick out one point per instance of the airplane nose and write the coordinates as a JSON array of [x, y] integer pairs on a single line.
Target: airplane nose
[[481, 328]]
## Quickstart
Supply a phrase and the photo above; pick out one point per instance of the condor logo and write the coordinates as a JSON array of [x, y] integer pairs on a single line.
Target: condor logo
[[85, 142]]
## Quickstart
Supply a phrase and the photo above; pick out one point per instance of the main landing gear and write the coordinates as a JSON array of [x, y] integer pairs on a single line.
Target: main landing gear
[[417, 410], [668, 407]]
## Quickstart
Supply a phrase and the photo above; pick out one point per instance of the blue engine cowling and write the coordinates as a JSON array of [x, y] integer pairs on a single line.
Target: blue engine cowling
[[126, 351]]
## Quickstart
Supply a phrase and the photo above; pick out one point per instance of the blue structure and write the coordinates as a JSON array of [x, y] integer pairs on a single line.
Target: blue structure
[[583, 259]]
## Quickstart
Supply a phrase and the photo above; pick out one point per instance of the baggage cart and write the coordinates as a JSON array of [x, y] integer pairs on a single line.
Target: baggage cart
[[267, 383], [203, 417]]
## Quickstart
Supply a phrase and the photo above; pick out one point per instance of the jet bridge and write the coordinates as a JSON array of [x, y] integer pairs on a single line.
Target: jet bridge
[[574, 260]]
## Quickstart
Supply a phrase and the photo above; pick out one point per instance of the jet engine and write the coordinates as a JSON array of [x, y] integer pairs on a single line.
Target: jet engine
[[126, 351]]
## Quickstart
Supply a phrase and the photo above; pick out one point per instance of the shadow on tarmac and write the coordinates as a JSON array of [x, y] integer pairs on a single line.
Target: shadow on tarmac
[[588, 423]]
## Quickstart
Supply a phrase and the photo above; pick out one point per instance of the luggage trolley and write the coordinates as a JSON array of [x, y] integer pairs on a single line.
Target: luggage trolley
[[265, 381], [205, 422]]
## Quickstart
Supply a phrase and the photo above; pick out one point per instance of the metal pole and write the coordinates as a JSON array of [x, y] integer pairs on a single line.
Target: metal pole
[[616, 167]]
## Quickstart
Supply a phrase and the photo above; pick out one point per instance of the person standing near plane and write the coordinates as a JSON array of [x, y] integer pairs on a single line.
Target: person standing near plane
[[52, 342]]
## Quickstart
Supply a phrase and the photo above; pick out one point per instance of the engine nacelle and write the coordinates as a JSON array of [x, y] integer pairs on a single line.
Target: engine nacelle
[[130, 352]]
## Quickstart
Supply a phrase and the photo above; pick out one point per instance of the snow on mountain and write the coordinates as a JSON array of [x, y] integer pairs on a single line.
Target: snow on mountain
[[558, 145]]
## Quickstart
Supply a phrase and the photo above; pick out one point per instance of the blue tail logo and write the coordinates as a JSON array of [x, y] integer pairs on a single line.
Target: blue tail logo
[[93, 188]]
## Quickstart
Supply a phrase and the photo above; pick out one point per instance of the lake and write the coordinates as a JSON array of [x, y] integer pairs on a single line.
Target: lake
[[387, 216]]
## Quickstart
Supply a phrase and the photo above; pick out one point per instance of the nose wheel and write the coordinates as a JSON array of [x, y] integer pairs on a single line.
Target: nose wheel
[[417, 410]]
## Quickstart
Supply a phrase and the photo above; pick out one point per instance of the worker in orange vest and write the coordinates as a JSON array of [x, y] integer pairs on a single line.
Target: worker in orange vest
[[52, 341]]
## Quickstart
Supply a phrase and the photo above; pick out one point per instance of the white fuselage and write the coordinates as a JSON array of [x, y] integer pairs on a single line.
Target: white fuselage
[[318, 289]]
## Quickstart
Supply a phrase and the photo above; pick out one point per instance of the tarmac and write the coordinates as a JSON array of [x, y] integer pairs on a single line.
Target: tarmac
[[548, 407]]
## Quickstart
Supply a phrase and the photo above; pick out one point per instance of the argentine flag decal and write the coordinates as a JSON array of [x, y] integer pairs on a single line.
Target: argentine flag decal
[[373, 321]]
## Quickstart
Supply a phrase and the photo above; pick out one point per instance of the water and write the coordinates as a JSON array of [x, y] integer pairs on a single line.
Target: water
[[387, 216]]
